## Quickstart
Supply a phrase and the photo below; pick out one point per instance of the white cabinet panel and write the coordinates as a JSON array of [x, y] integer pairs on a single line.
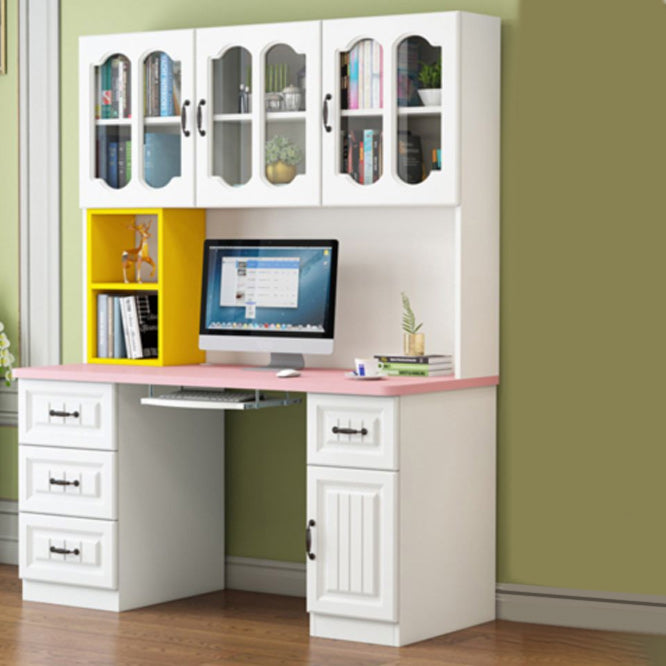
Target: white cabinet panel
[[73, 551], [69, 414], [68, 482], [352, 431], [354, 570]]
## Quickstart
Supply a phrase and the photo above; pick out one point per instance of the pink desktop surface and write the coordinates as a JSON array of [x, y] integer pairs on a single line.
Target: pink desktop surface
[[311, 380]]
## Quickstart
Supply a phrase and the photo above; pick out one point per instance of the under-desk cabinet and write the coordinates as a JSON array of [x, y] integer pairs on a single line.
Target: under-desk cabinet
[[400, 518], [290, 114], [119, 506]]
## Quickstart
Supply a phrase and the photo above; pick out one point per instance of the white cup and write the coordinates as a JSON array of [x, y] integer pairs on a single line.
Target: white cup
[[367, 367]]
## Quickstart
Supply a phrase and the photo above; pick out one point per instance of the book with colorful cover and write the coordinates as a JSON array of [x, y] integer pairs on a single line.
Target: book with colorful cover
[[412, 360], [368, 157], [353, 78], [112, 165], [166, 85], [416, 371]]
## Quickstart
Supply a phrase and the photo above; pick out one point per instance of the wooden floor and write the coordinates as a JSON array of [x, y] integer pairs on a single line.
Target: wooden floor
[[244, 628]]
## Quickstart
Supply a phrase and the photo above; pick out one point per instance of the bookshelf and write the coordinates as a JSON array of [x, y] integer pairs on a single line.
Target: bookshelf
[[175, 244]]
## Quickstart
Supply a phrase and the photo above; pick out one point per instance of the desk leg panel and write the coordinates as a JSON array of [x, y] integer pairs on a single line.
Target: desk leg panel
[[171, 501]]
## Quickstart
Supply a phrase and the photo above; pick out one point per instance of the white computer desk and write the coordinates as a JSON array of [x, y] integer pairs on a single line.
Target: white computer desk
[[122, 504]]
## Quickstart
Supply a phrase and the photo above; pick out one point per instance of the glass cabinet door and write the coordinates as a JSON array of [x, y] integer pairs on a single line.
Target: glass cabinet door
[[257, 102], [390, 92], [137, 90]]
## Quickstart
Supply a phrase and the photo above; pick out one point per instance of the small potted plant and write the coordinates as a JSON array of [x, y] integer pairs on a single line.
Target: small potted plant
[[413, 341], [282, 156], [430, 78], [6, 357]]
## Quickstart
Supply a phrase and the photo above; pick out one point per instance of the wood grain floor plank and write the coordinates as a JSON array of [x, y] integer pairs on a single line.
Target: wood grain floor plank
[[244, 628]]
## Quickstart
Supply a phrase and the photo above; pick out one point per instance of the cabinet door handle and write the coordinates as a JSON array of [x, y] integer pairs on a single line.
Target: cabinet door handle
[[201, 130], [324, 112], [308, 539], [64, 551], [183, 118], [349, 431], [62, 482], [57, 412]]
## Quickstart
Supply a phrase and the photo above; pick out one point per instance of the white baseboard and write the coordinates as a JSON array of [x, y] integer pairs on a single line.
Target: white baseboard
[[8, 532], [583, 609], [269, 576]]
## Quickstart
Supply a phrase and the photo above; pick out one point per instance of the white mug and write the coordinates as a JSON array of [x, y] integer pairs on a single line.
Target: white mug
[[367, 367]]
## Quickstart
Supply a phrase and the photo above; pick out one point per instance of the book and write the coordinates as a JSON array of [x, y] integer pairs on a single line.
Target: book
[[102, 326], [119, 350], [166, 85], [353, 78], [368, 156], [131, 327], [146, 308], [410, 157], [417, 371], [376, 76], [109, 327], [425, 359], [161, 158], [428, 366], [367, 73], [122, 163], [344, 80], [128, 161], [102, 154], [112, 164]]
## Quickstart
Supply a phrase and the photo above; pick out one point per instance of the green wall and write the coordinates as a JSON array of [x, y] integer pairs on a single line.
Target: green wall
[[581, 436], [9, 228]]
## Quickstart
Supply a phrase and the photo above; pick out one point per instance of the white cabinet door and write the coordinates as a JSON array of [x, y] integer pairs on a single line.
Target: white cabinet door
[[382, 145], [135, 112], [353, 540], [258, 99]]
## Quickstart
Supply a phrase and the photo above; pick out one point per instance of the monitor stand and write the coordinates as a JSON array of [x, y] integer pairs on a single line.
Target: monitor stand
[[280, 361]]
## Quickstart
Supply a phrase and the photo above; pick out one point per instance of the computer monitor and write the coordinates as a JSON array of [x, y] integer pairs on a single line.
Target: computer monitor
[[275, 296]]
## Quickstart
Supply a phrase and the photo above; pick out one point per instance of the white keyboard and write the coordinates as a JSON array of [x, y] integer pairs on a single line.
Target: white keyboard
[[211, 396]]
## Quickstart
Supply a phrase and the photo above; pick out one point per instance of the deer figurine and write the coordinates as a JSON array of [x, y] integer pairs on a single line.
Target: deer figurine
[[139, 254]]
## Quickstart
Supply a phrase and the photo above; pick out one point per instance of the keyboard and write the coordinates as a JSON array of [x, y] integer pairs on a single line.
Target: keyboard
[[210, 396]]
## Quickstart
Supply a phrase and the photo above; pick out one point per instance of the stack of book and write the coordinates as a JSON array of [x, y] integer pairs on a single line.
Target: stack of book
[[114, 159], [362, 155], [162, 86], [127, 326], [431, 365], [113, 89], [361, 71]]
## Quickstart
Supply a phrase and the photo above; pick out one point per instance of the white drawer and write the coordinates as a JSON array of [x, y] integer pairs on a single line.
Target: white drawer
[[72, 551], [68, 482], [72, 414], [352, 431]]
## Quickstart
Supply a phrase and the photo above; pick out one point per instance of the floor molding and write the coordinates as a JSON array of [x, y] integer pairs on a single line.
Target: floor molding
[[8, 532], [270, 576], [584, 609]]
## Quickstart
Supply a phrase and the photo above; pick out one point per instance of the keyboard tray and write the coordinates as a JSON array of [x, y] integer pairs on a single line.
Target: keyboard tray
[[221, 399]]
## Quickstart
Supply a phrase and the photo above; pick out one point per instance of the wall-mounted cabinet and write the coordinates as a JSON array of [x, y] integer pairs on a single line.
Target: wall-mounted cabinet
[[299, 114]]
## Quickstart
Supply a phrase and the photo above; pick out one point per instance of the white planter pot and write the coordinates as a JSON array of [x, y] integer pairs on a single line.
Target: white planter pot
[[431, 96]]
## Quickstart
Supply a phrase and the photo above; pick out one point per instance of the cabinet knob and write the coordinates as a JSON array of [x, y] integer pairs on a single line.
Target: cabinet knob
[[64, 551], [183, 118], [308, 539], [57, 412], [200, 129], [324, 112], [349, 431], [62, 482]]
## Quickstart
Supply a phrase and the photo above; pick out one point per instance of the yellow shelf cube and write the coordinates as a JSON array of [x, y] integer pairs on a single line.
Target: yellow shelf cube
[[176, 247]]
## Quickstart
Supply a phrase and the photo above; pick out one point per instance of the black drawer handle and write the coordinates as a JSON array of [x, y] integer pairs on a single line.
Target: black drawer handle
[[62, 482], [64, 551], [349, 431], [308, 539], [56, 412], [324, 112], [200, 128]]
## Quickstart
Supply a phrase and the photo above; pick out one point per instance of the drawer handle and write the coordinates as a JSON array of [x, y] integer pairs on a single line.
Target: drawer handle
[[56, 412], [349, 431], [64, 551], [308, 539], [62, 482]]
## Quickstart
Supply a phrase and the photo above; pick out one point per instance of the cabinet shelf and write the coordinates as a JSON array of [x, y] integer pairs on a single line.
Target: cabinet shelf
[[232, 117], [124, 286], [419, 110], [362, 113], [161, 120]]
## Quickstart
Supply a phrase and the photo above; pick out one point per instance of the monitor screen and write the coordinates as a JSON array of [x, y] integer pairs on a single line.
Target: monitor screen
[[268, 291]]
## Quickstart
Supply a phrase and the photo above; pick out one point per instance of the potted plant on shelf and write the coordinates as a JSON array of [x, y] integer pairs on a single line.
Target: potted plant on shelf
[[282, 156], [413, 341], [430, 78], [6, 357]]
